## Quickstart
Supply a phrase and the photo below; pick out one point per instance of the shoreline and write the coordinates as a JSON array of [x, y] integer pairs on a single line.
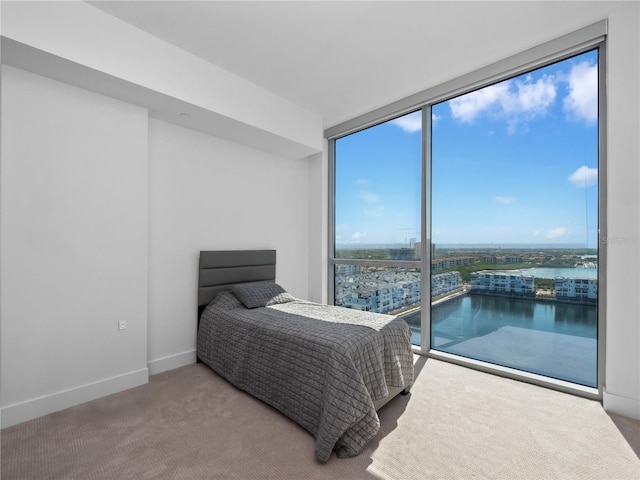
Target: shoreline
[[468, 291], [465, 291], [539, 298]]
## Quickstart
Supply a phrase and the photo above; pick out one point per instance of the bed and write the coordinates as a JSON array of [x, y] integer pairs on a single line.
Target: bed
[[327, 368]]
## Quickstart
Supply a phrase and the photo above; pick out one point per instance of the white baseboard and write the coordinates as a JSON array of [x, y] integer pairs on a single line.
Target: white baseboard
[[172, 361], [38, 407], [629, 407]]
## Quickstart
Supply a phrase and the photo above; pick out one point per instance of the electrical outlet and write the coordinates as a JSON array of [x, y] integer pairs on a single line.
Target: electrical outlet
[[122, 325]]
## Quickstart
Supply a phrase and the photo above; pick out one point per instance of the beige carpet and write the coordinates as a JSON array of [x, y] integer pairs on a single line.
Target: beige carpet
[[456, 424]]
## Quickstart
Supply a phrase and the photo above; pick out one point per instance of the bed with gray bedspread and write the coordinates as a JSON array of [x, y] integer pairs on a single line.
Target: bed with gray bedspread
[[320, 365]]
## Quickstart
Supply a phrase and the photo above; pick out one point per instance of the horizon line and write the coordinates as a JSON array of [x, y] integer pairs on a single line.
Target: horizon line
[[466, 245]]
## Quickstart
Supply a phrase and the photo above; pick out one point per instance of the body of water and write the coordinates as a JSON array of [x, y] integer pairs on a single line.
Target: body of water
[[557, 340], [551, 272]]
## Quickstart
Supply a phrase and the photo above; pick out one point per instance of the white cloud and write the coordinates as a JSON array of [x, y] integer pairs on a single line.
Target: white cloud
[[467, 107], [368, 196], [531, 99], [504, 200], [522, 99], [357, 236], [362, 181], [582, 101], [409, 123], [584, 177], [516, 101], [555, 233]]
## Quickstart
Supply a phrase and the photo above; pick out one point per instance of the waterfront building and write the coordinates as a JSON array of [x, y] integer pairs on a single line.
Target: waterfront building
[[378, 291], [408, 291], [444, 283], [576, 288], [504, 282]]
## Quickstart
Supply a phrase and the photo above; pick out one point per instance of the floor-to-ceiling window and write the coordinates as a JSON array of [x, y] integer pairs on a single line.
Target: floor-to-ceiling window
[[476, 217], [377, 191], [514, 222]]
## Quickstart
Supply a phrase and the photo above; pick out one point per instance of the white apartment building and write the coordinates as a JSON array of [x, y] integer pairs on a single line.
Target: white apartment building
[[444, 283], [584, 288], [379, 292], [502, 282]]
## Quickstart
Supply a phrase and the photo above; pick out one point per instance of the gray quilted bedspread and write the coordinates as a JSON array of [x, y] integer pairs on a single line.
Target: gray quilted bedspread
[[322, 366]]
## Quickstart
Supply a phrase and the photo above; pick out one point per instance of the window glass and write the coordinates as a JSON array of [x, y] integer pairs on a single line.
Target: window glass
[[512, 215], [514, 209], [378, 191]]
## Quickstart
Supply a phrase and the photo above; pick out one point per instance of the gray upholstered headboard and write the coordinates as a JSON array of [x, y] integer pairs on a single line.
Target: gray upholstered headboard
[[221, 268]]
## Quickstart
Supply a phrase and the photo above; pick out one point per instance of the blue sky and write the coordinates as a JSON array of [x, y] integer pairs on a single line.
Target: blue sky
[[515, 162]]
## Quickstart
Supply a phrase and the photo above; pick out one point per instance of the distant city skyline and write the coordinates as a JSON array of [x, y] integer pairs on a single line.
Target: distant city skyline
[[465, 245], [513, 163]]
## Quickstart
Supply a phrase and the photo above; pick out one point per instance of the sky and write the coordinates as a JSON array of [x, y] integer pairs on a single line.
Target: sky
[[512, 163]]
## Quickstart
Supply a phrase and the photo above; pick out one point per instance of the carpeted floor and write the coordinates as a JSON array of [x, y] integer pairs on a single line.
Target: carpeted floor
[[457, 423]]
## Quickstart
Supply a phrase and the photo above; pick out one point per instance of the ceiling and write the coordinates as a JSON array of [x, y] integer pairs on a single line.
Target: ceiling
[[345, 58]]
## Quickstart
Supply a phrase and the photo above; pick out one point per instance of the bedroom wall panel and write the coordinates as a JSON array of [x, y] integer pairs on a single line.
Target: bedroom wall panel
[[318, 225], [206, 193], [622, 381], [73, 245]]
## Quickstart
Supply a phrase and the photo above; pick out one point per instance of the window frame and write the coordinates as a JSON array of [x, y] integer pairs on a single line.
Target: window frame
[[588, 38]]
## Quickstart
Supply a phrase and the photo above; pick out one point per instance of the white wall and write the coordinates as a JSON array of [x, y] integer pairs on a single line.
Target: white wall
[[206, 193], [318, 225], [99, 204], [73, 245], [97, 180], [93, 190], [622, 381], [122, 60]]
